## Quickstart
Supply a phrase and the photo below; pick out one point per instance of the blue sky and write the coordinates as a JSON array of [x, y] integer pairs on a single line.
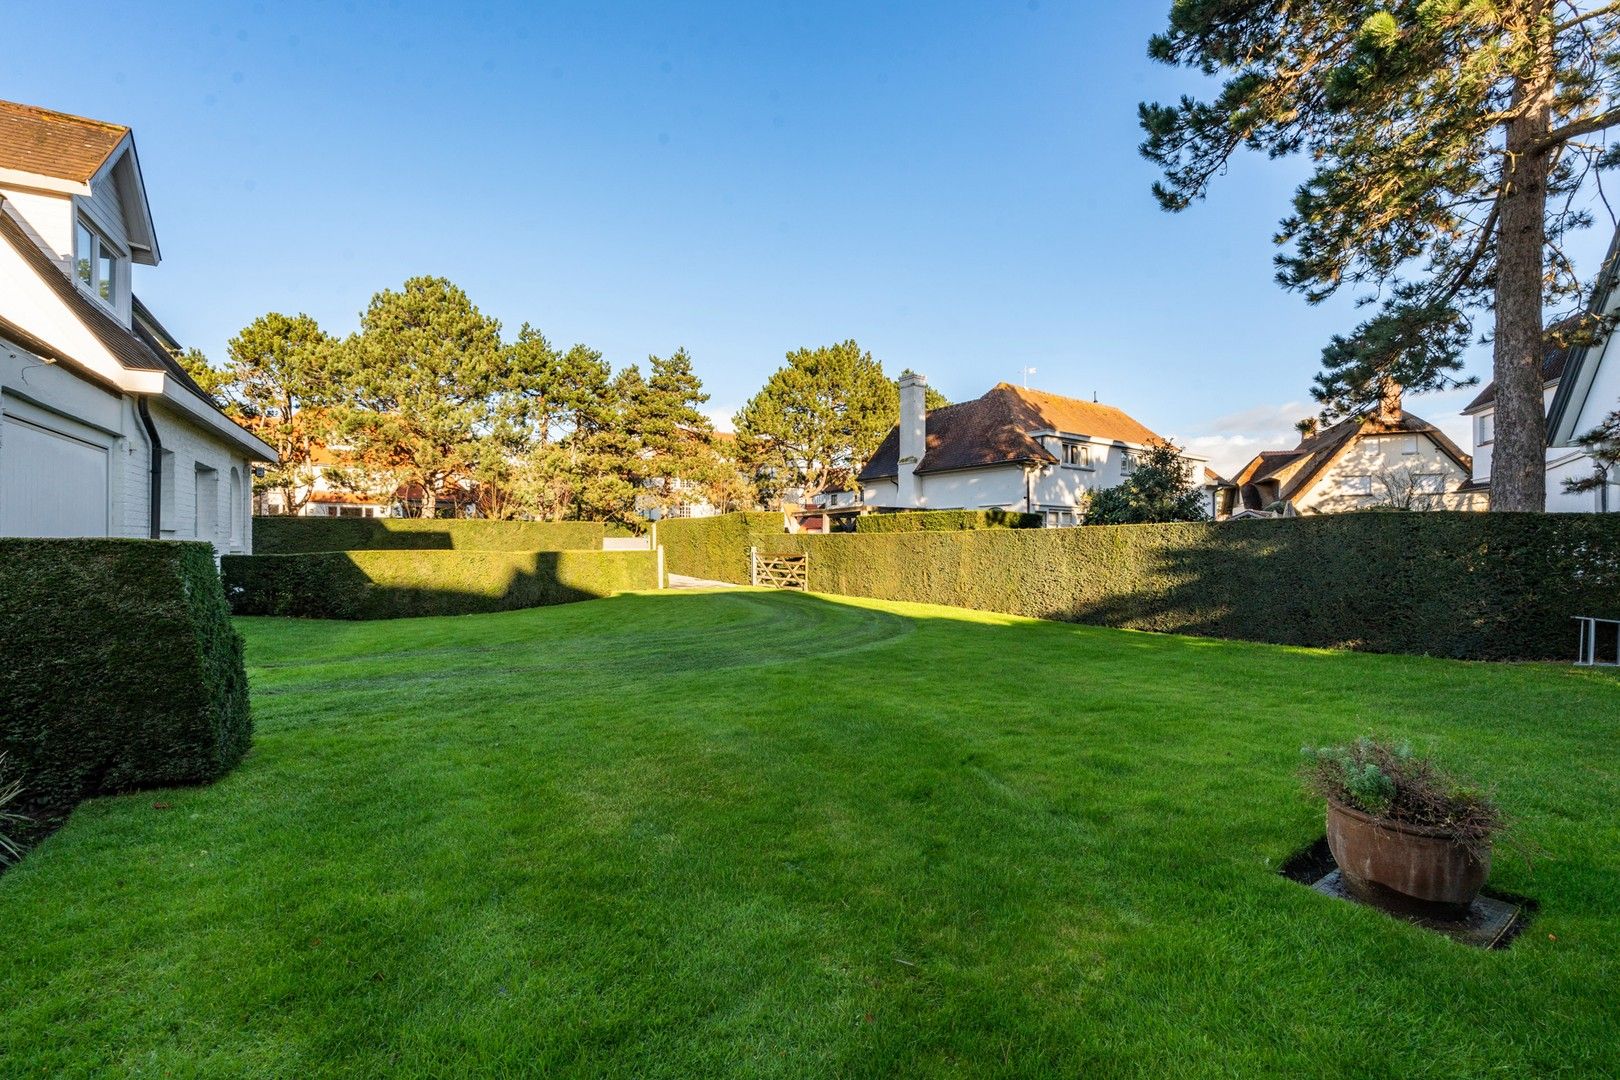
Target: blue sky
[[954, 185]]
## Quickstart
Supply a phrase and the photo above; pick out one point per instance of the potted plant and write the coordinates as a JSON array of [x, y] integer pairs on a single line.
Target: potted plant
[[1404, 833]]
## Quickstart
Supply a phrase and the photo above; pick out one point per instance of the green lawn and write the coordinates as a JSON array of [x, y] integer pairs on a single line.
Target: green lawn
[[761, 834]]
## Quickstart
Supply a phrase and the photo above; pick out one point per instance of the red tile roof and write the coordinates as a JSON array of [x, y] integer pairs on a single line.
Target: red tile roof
[[55, 144], [995, 430]]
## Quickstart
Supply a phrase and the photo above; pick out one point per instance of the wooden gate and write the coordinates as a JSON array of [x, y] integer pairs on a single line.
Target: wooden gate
[[779, 570]]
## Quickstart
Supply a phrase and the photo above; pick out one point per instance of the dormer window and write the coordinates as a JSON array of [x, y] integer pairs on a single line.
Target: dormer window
[[99, 266]]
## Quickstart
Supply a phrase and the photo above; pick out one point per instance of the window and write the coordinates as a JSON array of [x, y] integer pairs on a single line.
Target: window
[[1429, 483], [98, 265], [1078, 454], [1127, 463], [1060, 519], [1485, 429], [1409, 444], [1358, 485], [205, 508]]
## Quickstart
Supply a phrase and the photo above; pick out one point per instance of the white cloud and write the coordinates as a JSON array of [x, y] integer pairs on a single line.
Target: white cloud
[[721, 419]]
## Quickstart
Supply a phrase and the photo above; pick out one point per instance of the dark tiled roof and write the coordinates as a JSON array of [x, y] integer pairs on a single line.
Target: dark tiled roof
[[46, 351], [994, 430], [1560, 344], [55, 144], [144, 348]]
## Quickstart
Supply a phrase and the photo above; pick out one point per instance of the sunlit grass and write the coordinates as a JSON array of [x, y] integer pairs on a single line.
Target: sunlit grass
[[760, 834]]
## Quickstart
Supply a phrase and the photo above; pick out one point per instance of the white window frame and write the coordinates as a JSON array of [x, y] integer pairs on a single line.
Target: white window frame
[[1127, 462], [86, 235], [1409, 444], [1079, 452], [1485, 431], [1360, 484], [1421, 480]]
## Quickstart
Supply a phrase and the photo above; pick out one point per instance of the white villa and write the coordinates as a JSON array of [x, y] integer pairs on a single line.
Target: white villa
[[1386, 456], [102, 433], [1580, 386], [1012, 449]]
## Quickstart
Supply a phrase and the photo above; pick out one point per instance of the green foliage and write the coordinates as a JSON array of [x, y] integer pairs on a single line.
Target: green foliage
[[945, 521], [1603, 443], [1474, 586], [819, 417], [1452, 144], [1388, 781], [1160, 488], [404, 584], [716, 548], [10, 789], [292, 535], [419, 384], [121, 671]]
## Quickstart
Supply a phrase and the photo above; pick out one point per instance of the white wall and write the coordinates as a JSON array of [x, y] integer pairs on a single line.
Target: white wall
[[1376, 456]]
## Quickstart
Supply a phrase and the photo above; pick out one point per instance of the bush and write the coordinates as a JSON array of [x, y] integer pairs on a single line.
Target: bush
[[400, 584], [121, 671], [1391, 783], [1475, 586], [945, 521], [289, 535], [716, 548]]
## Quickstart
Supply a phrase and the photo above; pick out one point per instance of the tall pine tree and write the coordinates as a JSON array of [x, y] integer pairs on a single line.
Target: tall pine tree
[[1450, 142]]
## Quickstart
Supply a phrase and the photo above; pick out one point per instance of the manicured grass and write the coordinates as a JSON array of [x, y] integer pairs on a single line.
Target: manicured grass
[[757, 834]]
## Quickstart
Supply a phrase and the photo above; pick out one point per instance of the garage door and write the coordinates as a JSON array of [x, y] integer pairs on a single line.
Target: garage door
[[51, 484]]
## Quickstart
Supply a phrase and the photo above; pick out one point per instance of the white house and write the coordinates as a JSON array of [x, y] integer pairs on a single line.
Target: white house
[[1563, 462], [102, 433], [1386, 456], [1588, 390], [1012, 449]]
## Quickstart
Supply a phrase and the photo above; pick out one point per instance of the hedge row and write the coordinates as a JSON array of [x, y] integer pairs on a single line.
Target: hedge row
[[401, 584], [716, 548], [1468, 585], [121, 669], [291, 535], [946, 521]]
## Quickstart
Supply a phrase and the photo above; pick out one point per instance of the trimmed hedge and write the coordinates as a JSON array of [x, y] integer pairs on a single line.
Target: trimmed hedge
[[402, 584], [716, 548], [277, 535], [1468, 585], [121, 669], [946, 521]]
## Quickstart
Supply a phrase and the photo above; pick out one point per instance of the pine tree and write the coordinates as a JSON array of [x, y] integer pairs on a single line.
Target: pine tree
[[1450, 140]]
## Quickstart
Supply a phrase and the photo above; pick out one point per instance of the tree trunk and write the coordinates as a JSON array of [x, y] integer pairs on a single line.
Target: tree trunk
[[1519, 458]]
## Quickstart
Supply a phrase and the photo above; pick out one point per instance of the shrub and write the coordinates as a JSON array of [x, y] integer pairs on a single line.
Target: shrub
[[1473, 586], [945, 521], [9, 790], [1391, 783], [400, 584], [121, 669], [716, 548], [290, 535]]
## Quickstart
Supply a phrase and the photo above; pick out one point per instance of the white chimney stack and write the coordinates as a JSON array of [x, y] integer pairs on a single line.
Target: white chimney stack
[[913, 435]]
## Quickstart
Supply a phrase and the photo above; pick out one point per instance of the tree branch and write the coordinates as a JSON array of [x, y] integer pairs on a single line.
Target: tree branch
[[1596, 122]]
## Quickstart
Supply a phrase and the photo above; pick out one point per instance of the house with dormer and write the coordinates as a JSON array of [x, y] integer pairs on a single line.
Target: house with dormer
[[102, 432], [1011, 449]]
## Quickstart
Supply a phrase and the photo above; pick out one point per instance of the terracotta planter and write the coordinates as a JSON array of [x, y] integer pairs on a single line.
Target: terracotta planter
[[1403, 866]]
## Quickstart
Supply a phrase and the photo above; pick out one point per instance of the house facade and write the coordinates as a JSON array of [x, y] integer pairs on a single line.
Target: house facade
[[1012, 449], [102, 432], [1588, 390], [1385, 457]]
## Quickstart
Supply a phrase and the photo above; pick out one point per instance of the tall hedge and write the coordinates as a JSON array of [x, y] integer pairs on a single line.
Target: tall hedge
[[400, 584], [716, 548], [120, 668], [278, 535], [1467, 585], [945, 521]]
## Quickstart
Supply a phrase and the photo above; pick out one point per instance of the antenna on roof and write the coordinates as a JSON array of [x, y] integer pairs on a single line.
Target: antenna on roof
[[1026, 372], [1094, 397]]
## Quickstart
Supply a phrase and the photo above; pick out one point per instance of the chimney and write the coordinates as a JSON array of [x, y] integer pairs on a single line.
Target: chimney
[[913, 435], [1389, 400]]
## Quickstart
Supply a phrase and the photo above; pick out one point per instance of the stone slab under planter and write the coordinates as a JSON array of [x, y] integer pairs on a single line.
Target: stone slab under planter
[[1492, 922]]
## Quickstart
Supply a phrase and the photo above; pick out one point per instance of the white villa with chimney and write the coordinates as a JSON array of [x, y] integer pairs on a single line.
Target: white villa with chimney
[[1012, 449]]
